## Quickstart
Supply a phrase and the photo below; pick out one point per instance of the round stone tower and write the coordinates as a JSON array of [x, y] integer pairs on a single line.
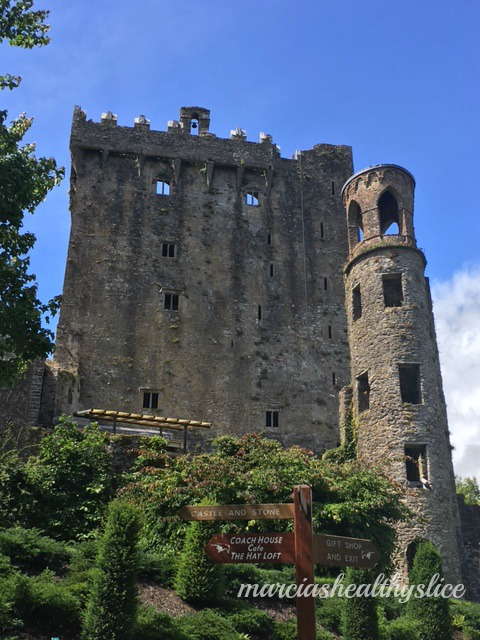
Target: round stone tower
[[398, 400]]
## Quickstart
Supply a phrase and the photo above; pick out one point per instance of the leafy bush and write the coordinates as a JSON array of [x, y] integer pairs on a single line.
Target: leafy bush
[[8, 619], [158, 567], [432, 613], [360, 619], [198, 579], [329, 613], [469, 610], [252, 621], [400, 629], [207, 625], [46, 604], [238, 574], [29, 549], [285, 630], [112, 607], [153, 625]]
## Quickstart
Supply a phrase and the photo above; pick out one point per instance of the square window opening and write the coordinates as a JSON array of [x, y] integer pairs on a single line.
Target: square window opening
[[410, 388], [356, 303], [150, 400], [163, 188], [170, 301], [251, 199], [363, 393], [416, 463], [271, 419], [168, 250], [392, 289]]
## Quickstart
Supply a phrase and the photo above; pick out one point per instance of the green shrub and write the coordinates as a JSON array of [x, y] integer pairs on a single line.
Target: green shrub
[[46, 604], [238, 574], [400, 629], [433, 614], [8, 620], [112, 606], [360, 618], [207, 625], [285, 630], [252, 622], [198, 579], [158, 567], [329, 613], [469, 610], [153, 625], [28, 549], [471, 634]]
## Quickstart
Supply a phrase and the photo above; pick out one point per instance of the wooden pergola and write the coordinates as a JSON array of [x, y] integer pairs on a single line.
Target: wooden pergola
[[138, 420]]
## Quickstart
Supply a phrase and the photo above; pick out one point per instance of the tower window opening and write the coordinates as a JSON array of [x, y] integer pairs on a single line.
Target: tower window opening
[[150, 400], [334, 378], [271, 419], [322, 231], [251, 199], [170, 301], [194, 127], [416, 463], [356, 303], [269, 239], [410, 388], [355, 222], [363, 392], [272, 270], [259, 312], [325, 284], [333, 188], [330, 331], [163, 188], [389, 215], [392, 289], [168, 250]]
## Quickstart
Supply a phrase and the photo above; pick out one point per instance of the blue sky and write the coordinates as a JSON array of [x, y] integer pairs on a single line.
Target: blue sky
[[399, 81]]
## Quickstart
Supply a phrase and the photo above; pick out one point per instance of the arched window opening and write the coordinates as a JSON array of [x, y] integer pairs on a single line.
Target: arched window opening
[[388, 212], [194, 126], [355, 219], [411, 552]]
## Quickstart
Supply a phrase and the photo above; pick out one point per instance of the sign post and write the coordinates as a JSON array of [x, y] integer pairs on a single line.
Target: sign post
[[303, 532], [302, 547]]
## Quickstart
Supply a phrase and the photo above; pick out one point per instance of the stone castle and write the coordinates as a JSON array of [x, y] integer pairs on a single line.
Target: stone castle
[[212, 278]]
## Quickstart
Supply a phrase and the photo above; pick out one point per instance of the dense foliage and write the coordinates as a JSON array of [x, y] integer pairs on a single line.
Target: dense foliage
[[431, 612], [112, 607], [360, 613], [25, 180], [469, 489]]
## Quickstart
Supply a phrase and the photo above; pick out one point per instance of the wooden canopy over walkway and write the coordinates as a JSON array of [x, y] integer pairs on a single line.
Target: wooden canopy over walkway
[[144, 422]]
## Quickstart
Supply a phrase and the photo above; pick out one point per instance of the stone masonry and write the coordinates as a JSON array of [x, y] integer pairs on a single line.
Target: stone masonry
[[211, 278]]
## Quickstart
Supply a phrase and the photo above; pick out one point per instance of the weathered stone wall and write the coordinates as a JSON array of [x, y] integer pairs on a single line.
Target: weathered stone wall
[[20, 405], [470, 519], [214, 358], [384, 337]]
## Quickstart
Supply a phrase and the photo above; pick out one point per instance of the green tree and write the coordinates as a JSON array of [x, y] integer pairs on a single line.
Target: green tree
[[198, 579], [360, 621], [432, 613], [25, 180], [112, 607], [469, 489]]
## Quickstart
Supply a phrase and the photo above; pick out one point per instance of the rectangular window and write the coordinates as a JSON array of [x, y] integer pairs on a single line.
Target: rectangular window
[[330, 331], [392, 289], [170, 301], [333, 188], [269, 238], [363, 393], [416, 463], [163, 188], [325, 283], [150, 400], [251, 198], [334, 378], [410, 389], [271, 419], [322, 231], [356, 303], [168, 250], [272, 269], [259, 312]]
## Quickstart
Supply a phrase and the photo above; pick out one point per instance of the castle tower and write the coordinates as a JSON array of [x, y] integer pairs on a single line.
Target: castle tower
[[398, 400]]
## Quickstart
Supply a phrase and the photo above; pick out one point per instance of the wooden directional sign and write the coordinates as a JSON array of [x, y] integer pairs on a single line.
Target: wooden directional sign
[[237, 512], [344, 552], [251, 547]]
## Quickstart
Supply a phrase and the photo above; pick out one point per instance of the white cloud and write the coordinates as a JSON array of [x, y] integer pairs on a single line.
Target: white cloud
[[456, 304]]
